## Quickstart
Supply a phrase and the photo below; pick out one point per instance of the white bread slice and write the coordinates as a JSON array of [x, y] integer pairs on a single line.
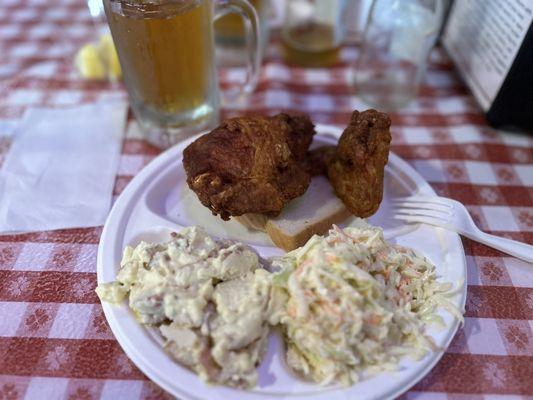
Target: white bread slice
[[312, 213], [253, 221]]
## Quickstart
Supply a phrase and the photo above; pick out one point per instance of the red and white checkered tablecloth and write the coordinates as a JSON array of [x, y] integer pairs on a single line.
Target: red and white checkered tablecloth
[[54, 340]]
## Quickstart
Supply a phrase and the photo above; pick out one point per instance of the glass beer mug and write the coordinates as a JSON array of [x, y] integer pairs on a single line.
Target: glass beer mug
[[166, 50]]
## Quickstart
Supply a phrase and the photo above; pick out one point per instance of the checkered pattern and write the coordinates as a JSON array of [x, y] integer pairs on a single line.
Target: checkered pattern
[[54, 340]]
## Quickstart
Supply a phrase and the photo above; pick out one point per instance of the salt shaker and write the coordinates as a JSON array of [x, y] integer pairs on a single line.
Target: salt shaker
[[397, 41]]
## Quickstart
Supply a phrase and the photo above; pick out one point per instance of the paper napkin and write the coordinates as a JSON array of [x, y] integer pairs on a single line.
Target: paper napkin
[[61, 167]]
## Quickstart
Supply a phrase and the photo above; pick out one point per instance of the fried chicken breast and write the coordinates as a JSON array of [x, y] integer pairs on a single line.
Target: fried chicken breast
[[250, 164], [356, 167]]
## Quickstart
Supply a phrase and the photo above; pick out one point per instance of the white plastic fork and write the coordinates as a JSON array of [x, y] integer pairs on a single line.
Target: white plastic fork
[[452, 215]]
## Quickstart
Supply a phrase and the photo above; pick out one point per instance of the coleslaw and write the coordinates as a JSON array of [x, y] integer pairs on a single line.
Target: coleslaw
[[352, 304]]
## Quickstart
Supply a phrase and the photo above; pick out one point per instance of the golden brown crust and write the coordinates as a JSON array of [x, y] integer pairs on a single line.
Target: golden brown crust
[[356, 171], [250, 165]]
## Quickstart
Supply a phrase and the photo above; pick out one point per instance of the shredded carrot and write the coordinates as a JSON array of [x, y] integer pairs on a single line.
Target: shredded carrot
[[332, 310], [373, 320], [332, 258]]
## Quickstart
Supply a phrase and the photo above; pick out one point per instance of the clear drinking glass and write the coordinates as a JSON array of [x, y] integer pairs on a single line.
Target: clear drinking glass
[[355, 18], [395, 49], [313, 31], [166, 50]]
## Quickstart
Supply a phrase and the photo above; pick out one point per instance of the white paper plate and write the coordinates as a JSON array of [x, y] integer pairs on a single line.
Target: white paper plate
[[158, 201]]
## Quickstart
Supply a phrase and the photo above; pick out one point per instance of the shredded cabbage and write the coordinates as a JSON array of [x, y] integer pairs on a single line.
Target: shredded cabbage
[[353, 304]]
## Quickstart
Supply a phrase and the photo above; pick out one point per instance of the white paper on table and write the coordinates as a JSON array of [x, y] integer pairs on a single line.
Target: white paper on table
[[60, 170]]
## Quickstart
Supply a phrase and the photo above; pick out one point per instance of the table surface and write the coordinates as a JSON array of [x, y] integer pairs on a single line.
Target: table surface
[[54, 340]]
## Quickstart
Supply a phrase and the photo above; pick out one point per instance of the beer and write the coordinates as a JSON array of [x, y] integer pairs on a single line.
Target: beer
[[166, 53], [312, 44]]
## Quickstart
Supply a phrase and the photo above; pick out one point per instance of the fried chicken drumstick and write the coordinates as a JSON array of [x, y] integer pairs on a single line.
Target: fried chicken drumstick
[[250, 165], [356, 167]]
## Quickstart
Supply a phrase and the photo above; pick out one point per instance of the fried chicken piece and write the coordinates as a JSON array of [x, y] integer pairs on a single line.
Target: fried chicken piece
[[250, 165], [317, 160], [356, 169]]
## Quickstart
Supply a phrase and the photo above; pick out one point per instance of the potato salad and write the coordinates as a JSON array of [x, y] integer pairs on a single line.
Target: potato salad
[[208, 298]]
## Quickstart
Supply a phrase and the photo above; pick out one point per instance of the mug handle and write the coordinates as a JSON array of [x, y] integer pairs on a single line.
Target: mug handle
[[252, 40]]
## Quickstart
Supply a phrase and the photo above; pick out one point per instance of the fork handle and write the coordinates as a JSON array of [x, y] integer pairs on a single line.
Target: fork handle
[[517, 249]]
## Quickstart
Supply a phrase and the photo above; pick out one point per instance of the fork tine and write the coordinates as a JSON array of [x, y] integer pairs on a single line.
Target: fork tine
[[416, 205], [419, 219], [437, 214], [426, 200], [425, 197]]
